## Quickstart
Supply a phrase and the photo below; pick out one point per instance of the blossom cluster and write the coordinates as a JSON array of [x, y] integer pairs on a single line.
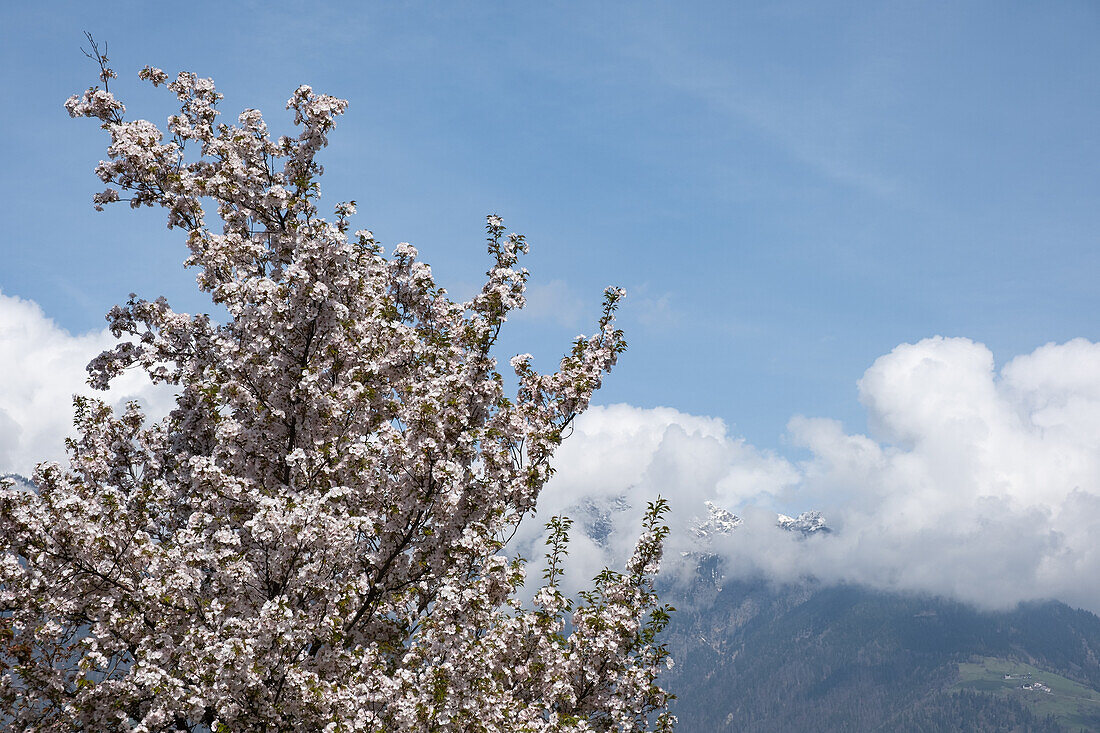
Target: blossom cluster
[[315, 537]]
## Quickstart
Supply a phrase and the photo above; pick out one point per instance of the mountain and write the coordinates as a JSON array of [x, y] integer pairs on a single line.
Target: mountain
[[753, 656], [807, 523], [15, 479]]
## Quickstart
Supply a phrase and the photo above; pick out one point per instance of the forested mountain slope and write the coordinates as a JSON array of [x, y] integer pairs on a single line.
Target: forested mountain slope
[[756, 657]]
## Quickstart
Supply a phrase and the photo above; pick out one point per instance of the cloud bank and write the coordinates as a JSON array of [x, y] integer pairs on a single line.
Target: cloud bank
[[975, 484], [41, 367], [978, 484]]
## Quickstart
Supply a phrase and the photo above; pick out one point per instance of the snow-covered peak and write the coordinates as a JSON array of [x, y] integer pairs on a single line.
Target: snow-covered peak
[[807, 523], [14, 479], [717, 522]]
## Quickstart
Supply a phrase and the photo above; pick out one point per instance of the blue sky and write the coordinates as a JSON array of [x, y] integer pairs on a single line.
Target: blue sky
[[787, 190]]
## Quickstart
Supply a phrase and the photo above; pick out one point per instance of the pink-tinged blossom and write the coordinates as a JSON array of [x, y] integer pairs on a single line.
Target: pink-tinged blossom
[[315, 538]]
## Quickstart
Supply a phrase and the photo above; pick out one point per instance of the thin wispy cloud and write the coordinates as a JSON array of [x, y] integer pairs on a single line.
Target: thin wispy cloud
[[651, 309], [819, 128], [555, 302]]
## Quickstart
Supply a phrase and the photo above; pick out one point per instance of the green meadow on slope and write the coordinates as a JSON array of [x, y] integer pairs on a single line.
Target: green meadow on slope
[[1045, 693]]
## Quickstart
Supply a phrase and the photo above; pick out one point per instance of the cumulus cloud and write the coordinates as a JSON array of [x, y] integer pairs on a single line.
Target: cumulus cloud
[[973, 483], [43, 366], [620, 457]]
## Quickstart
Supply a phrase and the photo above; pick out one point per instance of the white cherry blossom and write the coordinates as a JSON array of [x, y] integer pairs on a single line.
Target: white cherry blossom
[[316, 537]]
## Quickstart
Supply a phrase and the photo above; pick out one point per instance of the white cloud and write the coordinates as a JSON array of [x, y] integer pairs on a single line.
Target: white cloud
[[979, 485], [620, 451], [42, 367]]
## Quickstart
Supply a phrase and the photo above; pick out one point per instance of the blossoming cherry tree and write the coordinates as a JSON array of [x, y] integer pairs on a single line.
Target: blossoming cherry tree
[[315, 537]]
